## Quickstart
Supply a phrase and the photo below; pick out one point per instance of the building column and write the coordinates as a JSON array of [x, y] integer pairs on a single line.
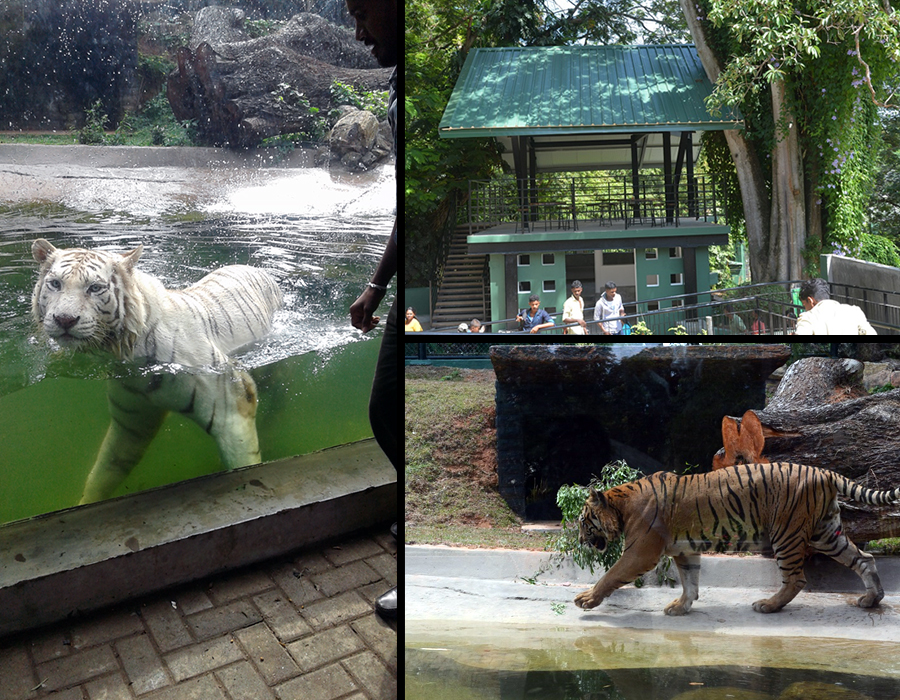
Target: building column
[[511, 277], [689, 261]]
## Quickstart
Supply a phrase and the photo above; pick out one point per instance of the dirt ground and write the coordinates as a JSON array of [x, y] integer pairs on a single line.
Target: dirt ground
[[451, 453]]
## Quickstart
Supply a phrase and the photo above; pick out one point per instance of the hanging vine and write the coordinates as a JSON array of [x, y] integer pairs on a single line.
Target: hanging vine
[[840, 130]]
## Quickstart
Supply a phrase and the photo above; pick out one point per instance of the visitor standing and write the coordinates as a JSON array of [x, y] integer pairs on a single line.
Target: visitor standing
[[825, 316], [376, 26], [609, 306], [573, 310]]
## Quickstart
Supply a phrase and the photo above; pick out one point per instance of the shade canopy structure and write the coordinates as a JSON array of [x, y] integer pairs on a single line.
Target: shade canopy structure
[[579, 108], [574, 110]]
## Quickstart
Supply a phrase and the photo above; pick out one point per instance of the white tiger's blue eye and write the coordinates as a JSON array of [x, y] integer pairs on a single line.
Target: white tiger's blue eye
[[55, 285], [96, 288]]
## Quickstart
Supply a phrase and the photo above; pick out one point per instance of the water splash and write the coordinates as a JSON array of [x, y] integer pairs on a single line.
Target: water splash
[[311, 193]]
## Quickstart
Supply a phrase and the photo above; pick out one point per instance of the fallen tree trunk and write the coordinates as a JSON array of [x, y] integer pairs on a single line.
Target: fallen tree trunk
[[821, 415], [240, 90]]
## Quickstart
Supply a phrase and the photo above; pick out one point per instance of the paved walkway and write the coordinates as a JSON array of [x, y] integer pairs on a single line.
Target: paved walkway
[[301, 627]]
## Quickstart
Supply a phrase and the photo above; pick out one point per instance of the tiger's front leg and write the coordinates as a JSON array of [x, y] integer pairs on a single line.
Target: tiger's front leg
[[630, 566], [134, 422]]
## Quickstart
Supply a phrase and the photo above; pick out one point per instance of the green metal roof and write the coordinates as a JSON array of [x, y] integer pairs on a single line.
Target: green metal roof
[[555, 90]]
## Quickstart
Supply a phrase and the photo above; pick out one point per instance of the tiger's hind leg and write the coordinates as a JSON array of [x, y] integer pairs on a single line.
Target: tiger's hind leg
[[689, 571], [831, 540], [134, 422]]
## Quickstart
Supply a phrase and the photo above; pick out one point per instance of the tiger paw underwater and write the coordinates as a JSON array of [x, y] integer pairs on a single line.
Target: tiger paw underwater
[[784, 508], [89, 300]]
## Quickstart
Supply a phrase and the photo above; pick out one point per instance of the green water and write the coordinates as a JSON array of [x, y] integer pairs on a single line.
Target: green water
[[50, 432], [320, 238], [495, 661]]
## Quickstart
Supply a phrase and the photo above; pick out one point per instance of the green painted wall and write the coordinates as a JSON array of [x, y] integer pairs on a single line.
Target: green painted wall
[[538, 273], [498, 290], [665, 266]]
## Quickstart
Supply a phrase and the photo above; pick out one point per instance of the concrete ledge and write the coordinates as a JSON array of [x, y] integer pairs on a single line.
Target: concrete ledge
[[822, 573], [84, 558], [152, 156]]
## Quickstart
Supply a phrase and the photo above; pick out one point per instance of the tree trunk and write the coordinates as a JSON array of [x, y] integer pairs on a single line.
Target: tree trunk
[[787, 229], [241, 91], [754, 193], [822, 416]]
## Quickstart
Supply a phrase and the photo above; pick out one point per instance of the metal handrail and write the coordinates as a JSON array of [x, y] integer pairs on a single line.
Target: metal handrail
[[564, 201], [780, 313]]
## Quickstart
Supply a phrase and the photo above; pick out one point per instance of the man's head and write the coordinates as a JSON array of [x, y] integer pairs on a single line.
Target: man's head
[[812, 292], [610, 290], [576, 289], [534, 301], [376, 26]]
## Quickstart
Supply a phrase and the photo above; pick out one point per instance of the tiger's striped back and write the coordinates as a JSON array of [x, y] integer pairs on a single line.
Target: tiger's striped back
[[233, 306]]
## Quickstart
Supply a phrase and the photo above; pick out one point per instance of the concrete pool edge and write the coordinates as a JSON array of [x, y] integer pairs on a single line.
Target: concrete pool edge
[[85, 558], [28, 154], [458, 585]]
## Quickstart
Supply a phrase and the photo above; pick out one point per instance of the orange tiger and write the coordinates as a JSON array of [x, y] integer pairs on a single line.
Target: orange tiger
[[784, 508]]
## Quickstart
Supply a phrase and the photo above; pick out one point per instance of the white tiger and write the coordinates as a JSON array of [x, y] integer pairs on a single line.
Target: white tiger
[[94, 300]]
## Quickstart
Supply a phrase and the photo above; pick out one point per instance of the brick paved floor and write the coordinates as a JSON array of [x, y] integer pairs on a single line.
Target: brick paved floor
[[300, 627]]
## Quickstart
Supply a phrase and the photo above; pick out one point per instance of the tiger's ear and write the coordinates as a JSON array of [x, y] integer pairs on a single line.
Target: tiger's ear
[[130, 259], [42, 249], [595, 496]]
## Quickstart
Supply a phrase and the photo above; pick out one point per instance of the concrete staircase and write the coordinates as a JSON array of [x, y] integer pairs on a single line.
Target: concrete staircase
[[463, 294]]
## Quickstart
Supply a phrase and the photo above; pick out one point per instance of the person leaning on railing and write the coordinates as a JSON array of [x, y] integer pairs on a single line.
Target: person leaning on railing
[[537, 319], [825, 316]]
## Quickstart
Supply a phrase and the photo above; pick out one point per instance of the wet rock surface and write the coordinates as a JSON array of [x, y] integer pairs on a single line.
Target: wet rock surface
[[241, 90]]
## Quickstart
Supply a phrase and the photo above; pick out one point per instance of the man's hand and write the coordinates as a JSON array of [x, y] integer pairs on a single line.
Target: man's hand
[[362, 309]]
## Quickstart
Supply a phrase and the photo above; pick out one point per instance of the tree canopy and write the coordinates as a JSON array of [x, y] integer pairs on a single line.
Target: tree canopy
[[809, 76]]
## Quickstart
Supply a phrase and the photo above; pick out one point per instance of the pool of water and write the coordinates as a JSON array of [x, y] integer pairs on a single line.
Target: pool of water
[[321, 237], [522, 663]]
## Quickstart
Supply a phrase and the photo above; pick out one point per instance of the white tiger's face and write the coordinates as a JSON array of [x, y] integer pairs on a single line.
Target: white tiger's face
[[79, 296]]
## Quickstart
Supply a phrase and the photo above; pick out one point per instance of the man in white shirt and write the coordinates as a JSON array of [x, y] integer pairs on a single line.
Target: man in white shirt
[[573, 310], [609, 306], [825, 316]]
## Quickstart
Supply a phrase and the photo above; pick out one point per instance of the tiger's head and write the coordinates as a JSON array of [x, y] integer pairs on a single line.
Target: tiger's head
[[599, 523], [86, 299]]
